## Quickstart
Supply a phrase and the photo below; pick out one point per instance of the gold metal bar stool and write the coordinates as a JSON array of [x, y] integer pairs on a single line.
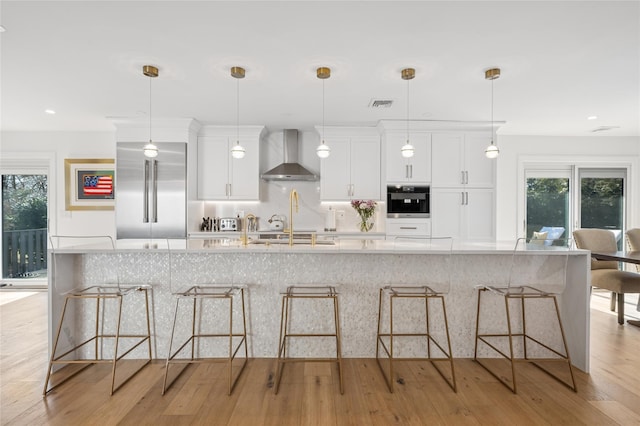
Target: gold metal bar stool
[[316, 293], [90, 267], [437, 280], [532, 279], [222, 296]]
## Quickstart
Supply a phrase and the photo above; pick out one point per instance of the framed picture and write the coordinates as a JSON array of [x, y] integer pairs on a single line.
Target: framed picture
[[89, 184]]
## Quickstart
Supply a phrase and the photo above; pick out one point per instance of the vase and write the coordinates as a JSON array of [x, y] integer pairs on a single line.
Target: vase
[[366, 225]]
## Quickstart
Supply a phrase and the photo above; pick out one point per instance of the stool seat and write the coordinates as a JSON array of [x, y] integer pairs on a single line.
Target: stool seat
[[316, 293]]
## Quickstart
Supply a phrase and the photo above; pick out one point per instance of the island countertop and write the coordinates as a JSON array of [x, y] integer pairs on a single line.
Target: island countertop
[[358, 268]]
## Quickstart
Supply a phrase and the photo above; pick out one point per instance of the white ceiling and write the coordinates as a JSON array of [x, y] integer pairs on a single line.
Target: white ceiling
[[561, 62]]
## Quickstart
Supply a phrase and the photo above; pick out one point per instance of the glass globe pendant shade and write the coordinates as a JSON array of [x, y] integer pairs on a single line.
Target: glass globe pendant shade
[[237, 151], [323, 151], [150, 150], [492, 151], [407, 150]]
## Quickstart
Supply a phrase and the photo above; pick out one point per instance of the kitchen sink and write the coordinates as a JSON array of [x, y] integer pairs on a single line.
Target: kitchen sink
[[296, 241]]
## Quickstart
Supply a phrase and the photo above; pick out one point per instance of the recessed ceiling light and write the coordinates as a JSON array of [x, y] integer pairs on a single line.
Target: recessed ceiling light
[[592, 117], [49, 111]]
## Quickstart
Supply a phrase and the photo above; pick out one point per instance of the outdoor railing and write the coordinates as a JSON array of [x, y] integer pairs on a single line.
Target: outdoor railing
[[25, 253]]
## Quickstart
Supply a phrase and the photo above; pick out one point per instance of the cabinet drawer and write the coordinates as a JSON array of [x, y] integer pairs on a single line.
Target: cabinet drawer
[[409, 228]]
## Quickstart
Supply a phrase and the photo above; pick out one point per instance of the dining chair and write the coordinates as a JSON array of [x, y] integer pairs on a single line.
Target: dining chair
[[537, 275], [633, 241], [85, 269], [606, 274]]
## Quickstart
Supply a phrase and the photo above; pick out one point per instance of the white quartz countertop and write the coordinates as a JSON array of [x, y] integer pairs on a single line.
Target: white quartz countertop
[[369, 246]]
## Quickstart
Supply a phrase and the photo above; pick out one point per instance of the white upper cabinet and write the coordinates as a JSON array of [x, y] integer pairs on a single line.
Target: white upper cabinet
[[222, 177], [458, 159], [416, 169], [352, 171]]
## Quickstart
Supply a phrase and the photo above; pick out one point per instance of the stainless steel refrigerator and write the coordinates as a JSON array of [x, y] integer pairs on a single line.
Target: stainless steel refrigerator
[[151, 192]]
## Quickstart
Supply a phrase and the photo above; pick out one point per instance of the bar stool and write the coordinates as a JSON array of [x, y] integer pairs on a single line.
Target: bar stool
[[96, 278], [435, 284], [316, 294], [197, 295], [531, 279]]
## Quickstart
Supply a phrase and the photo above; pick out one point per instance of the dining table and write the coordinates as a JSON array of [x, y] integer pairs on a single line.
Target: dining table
[[621, 256]]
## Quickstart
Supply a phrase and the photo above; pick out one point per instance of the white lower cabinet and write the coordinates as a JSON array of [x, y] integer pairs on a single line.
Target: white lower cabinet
[[463, 213], [418, 227]]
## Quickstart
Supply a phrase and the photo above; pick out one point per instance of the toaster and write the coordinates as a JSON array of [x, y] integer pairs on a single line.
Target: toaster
[[229, 224]]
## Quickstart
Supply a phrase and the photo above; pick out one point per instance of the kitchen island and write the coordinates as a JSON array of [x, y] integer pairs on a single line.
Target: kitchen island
[[358, 268]]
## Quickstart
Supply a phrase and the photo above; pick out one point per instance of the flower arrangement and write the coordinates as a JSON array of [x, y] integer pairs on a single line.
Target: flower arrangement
[[366, 209]]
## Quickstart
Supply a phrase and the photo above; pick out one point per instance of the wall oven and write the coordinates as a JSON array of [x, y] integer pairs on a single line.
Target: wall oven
[[407, 201]]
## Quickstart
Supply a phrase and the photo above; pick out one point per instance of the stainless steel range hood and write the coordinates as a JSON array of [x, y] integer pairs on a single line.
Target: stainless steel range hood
[[289, 169]]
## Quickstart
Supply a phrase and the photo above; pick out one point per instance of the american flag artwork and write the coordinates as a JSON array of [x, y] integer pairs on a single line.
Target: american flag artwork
[[96, 185]]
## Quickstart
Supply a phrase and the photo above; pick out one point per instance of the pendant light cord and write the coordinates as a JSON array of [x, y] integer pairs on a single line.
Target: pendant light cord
[[492, 111], [238, 111], [407, 111], [323, 111], [150, 109]]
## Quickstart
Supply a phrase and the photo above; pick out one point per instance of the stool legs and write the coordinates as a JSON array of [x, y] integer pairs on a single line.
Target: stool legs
[[99, 336], [383, 349], [526, 339], [285, 316], [196, 334]]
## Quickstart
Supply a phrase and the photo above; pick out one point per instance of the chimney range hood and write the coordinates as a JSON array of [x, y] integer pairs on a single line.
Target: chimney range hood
[[289, 170]]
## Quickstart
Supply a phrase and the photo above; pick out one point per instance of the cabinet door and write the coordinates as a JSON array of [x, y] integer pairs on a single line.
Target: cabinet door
[[335, 182], [245, 172], [447, 152], [446, 212], [365, 168], [416, 169], [480, 207], [213, 167], [480, 169]]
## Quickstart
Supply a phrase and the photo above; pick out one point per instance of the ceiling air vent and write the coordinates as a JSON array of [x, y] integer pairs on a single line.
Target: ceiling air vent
[[604, 128], [381, 103]]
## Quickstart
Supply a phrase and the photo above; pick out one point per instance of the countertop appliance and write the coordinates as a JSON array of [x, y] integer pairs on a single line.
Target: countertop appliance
[[151, 192], [405, 201], [229, 224]]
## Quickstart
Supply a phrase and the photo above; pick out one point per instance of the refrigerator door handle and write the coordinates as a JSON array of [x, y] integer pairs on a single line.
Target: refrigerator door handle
[[155, 191], [145, 198]]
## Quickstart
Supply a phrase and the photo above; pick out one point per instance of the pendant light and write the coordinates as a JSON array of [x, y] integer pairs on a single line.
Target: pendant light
[[323, 150], [407, 149], [492, 150], [237, 151], [150, 150]]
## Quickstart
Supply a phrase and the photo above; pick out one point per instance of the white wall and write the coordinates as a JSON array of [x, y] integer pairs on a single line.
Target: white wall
[[65, 145], [587, 150]]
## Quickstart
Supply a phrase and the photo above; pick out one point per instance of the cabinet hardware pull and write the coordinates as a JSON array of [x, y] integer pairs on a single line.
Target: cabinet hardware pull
[[411, 171], [462, 201], [466, 177], [154, 192], [408, 227], [145, 201], [462, 177]]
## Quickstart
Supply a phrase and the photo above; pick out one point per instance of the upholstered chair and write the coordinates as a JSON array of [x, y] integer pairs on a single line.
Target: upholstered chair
[[633, 240], [605, 274]]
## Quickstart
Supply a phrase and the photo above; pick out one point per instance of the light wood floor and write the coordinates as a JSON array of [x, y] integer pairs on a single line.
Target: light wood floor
[[309, 394]]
